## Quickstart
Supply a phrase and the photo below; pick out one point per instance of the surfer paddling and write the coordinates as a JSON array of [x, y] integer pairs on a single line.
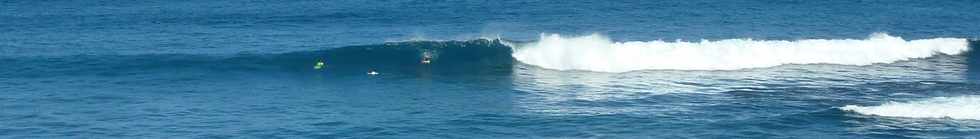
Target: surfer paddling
[[426, 60], [319, 65]]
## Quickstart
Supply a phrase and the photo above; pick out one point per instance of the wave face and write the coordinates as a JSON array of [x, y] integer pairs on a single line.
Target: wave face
[[449, 57], [964, 107], [597, 53]]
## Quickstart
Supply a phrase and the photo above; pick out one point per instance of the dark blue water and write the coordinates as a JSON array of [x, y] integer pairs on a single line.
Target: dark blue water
[[244, 68]]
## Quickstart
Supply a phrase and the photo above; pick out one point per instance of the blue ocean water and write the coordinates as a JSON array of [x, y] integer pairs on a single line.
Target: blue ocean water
[[500, 69]]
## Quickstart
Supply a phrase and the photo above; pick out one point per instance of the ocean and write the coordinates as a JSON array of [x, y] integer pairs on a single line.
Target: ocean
[[495, 69]]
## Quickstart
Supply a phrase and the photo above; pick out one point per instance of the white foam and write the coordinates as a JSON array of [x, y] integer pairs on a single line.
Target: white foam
[[964, 107], [598, 53]]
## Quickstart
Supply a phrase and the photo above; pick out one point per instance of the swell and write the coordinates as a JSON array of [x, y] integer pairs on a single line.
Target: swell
[[448, 57], [498, 56]]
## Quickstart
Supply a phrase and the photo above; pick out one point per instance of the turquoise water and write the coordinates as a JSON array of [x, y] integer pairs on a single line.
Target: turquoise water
[[500, 69]]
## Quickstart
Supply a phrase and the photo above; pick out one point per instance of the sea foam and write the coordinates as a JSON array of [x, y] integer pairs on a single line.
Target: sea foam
[[963, 107], [598, 53]]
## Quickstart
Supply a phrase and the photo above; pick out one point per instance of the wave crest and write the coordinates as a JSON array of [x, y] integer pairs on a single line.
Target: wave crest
[[964, 107], [598, 53]]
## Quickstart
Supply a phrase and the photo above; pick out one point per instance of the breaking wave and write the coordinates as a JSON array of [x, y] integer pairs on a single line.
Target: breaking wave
[[598, 53], [964, 107], [594, 53]]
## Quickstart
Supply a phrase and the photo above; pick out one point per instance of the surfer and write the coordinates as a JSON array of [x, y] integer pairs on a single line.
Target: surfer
[[372, 72], [319, 65], [426, 57], [426, 60]]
